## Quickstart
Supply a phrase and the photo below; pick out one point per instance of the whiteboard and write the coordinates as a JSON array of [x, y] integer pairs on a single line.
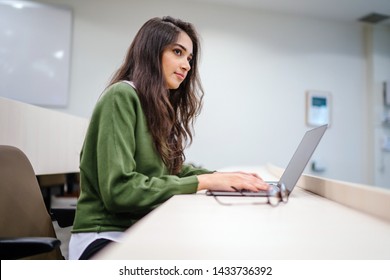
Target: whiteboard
[[35, 45]]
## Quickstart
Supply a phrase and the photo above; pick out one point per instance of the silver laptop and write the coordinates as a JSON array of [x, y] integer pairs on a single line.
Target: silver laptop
[[293, 171]]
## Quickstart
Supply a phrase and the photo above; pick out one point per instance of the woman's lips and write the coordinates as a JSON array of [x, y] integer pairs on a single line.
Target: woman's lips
[[181, 76]]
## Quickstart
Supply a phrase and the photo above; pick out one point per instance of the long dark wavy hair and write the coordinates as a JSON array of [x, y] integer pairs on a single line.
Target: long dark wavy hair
[[170, 113]]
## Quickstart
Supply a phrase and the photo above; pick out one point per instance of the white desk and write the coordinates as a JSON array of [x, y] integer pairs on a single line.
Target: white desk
[[307, 227]]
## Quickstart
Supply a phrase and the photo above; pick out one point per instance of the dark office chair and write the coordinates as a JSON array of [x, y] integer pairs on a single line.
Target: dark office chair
[[26, 230]]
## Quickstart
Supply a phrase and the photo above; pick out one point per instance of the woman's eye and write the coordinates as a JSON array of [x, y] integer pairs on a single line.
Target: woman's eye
[[177, 51]]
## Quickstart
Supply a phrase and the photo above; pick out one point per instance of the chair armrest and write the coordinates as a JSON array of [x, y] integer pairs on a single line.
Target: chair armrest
[[23, 247], [63, 216]]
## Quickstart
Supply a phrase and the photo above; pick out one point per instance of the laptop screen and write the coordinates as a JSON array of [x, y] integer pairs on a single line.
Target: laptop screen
[[302, 156]]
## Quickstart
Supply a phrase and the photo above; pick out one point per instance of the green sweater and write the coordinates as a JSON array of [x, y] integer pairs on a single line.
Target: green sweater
[[122, 177]]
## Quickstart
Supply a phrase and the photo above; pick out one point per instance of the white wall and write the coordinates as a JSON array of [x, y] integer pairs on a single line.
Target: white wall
[[256, 67], [380, 69]]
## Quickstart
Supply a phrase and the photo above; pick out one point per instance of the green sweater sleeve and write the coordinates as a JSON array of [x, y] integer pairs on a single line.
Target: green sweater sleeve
[[190, 170], [120, 164]]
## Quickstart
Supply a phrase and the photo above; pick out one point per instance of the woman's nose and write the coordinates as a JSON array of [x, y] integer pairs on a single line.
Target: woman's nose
[[186, 65]]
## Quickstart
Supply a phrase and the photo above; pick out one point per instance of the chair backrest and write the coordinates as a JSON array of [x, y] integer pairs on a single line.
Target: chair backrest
[[22, 210]]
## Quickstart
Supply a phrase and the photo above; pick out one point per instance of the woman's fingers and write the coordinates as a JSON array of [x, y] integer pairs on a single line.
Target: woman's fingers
[[231, 181]]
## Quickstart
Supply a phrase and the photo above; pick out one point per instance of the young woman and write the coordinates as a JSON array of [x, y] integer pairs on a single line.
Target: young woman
[[133, 154]]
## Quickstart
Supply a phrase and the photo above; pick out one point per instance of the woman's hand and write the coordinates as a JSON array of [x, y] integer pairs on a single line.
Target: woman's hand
[[224, 181]]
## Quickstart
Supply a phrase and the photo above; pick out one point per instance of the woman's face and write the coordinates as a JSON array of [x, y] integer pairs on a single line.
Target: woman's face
[[176, 60]]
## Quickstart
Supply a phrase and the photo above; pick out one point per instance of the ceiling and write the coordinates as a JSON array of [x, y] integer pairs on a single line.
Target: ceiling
[[345, 10]]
